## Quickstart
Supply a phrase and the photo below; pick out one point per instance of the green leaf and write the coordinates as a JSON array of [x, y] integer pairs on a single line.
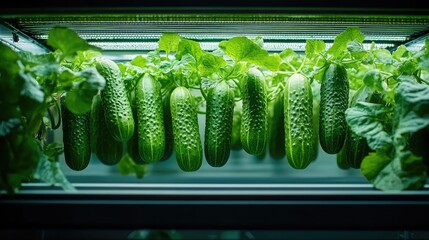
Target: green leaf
[[67, 41], [367, 120], [20, 154], [374, 80], [412, 107], [383, 56], [427, 46], [127, 166], [244, 49], [139, 61], [8, 66], [190, 47], [341, 40], [79, 99], [31, 59], [314, 47], [210, 64], [84, 59], [356, 49], [259, 41], [407, 67], [32, 100], [49, 171], [406, 171], [169, 42], [373, 164], [31, 89], [423, 62], [288, 55], [400, 53], [10, 84]]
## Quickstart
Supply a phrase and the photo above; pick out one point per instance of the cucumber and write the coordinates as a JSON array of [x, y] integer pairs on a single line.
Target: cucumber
[[119, 116], [168, 127], [105, 147], [187, 140], [276, 145], [298, 121], [254, 121], [315, 86], [334, 94], [133, 145], [76, 138], [236, 125], [150, 119], [218, 128], [341, 158], [355, 147]]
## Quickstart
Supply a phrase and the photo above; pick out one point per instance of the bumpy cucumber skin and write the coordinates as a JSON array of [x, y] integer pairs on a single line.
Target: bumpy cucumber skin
[[236, 125], [133, 143], [150, 119], [218, 128], [168, 127], [334, 94], [254, 120], [119, 116], [298, 121], [276, 145], [106, 148], [187, 140], [76, 138]]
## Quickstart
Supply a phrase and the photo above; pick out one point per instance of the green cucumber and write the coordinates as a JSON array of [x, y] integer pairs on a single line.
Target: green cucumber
[[218, 128], [119, 116], [133, 144], [236, 125], [150, 119], [355, 147], [276, 145], [76, 138], [298, 121], [187, 140], [334, 94], [315, 86], [105, 147], [254, 121], [168, 127]]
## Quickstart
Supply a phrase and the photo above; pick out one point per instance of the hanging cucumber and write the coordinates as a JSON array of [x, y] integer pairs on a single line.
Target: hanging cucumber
[[276, 145], [76, 138], [334, 94], [187, 140], [150, 119], [105, 147], [355, 147], [168, 127], [254, 121], [218, 129], [298, 121], [133, 144], [315, 86], [236, 125], [119, 116]]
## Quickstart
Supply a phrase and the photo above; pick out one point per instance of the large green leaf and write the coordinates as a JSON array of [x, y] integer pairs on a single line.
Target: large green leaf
[[341, 40], [67, 41], [367, 120], [244, 49], [412, 107], [169, 42]]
